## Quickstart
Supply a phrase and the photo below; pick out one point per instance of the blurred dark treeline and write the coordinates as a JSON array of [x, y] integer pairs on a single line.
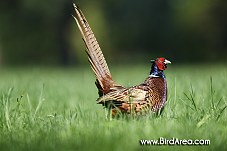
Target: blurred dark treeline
[[44, 32]]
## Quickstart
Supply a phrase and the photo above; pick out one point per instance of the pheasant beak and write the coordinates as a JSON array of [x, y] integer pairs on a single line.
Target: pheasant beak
[[167, 62]]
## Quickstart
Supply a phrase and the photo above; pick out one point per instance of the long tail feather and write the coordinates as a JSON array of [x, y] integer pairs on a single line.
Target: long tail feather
[[95, 56]]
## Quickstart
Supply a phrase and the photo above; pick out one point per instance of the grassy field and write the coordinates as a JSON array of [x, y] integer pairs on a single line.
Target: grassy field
[[54, 109]]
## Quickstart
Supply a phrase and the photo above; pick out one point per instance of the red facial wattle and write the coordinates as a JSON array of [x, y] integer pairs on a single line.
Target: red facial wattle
[[161, 63]]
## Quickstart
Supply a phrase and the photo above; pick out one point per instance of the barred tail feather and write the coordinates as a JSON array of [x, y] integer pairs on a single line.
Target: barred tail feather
[[95, 55]]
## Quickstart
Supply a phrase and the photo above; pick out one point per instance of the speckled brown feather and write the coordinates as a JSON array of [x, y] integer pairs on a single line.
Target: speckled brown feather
[[150, 95]]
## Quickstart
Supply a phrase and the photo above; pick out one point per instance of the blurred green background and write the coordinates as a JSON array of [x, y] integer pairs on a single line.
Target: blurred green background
[[34, 32]]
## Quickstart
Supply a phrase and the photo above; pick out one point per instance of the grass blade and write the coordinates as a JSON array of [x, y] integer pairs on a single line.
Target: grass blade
[[41, 100]]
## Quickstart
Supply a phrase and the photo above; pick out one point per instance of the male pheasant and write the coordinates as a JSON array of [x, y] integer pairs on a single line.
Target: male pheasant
[[150, 95]]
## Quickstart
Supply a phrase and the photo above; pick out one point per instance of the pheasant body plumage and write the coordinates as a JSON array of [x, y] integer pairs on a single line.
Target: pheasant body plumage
[[150, 95]]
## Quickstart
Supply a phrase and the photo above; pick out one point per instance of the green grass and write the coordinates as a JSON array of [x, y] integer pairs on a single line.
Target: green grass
[[55, 109]]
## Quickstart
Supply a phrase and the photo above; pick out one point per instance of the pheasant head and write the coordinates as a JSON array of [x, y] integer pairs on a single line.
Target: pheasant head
[[158, 66]]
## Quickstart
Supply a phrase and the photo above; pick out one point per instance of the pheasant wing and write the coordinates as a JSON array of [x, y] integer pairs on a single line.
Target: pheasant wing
[[124, 95]]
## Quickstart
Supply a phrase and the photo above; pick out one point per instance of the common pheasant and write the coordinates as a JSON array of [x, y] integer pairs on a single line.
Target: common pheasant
[[150, 95]]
